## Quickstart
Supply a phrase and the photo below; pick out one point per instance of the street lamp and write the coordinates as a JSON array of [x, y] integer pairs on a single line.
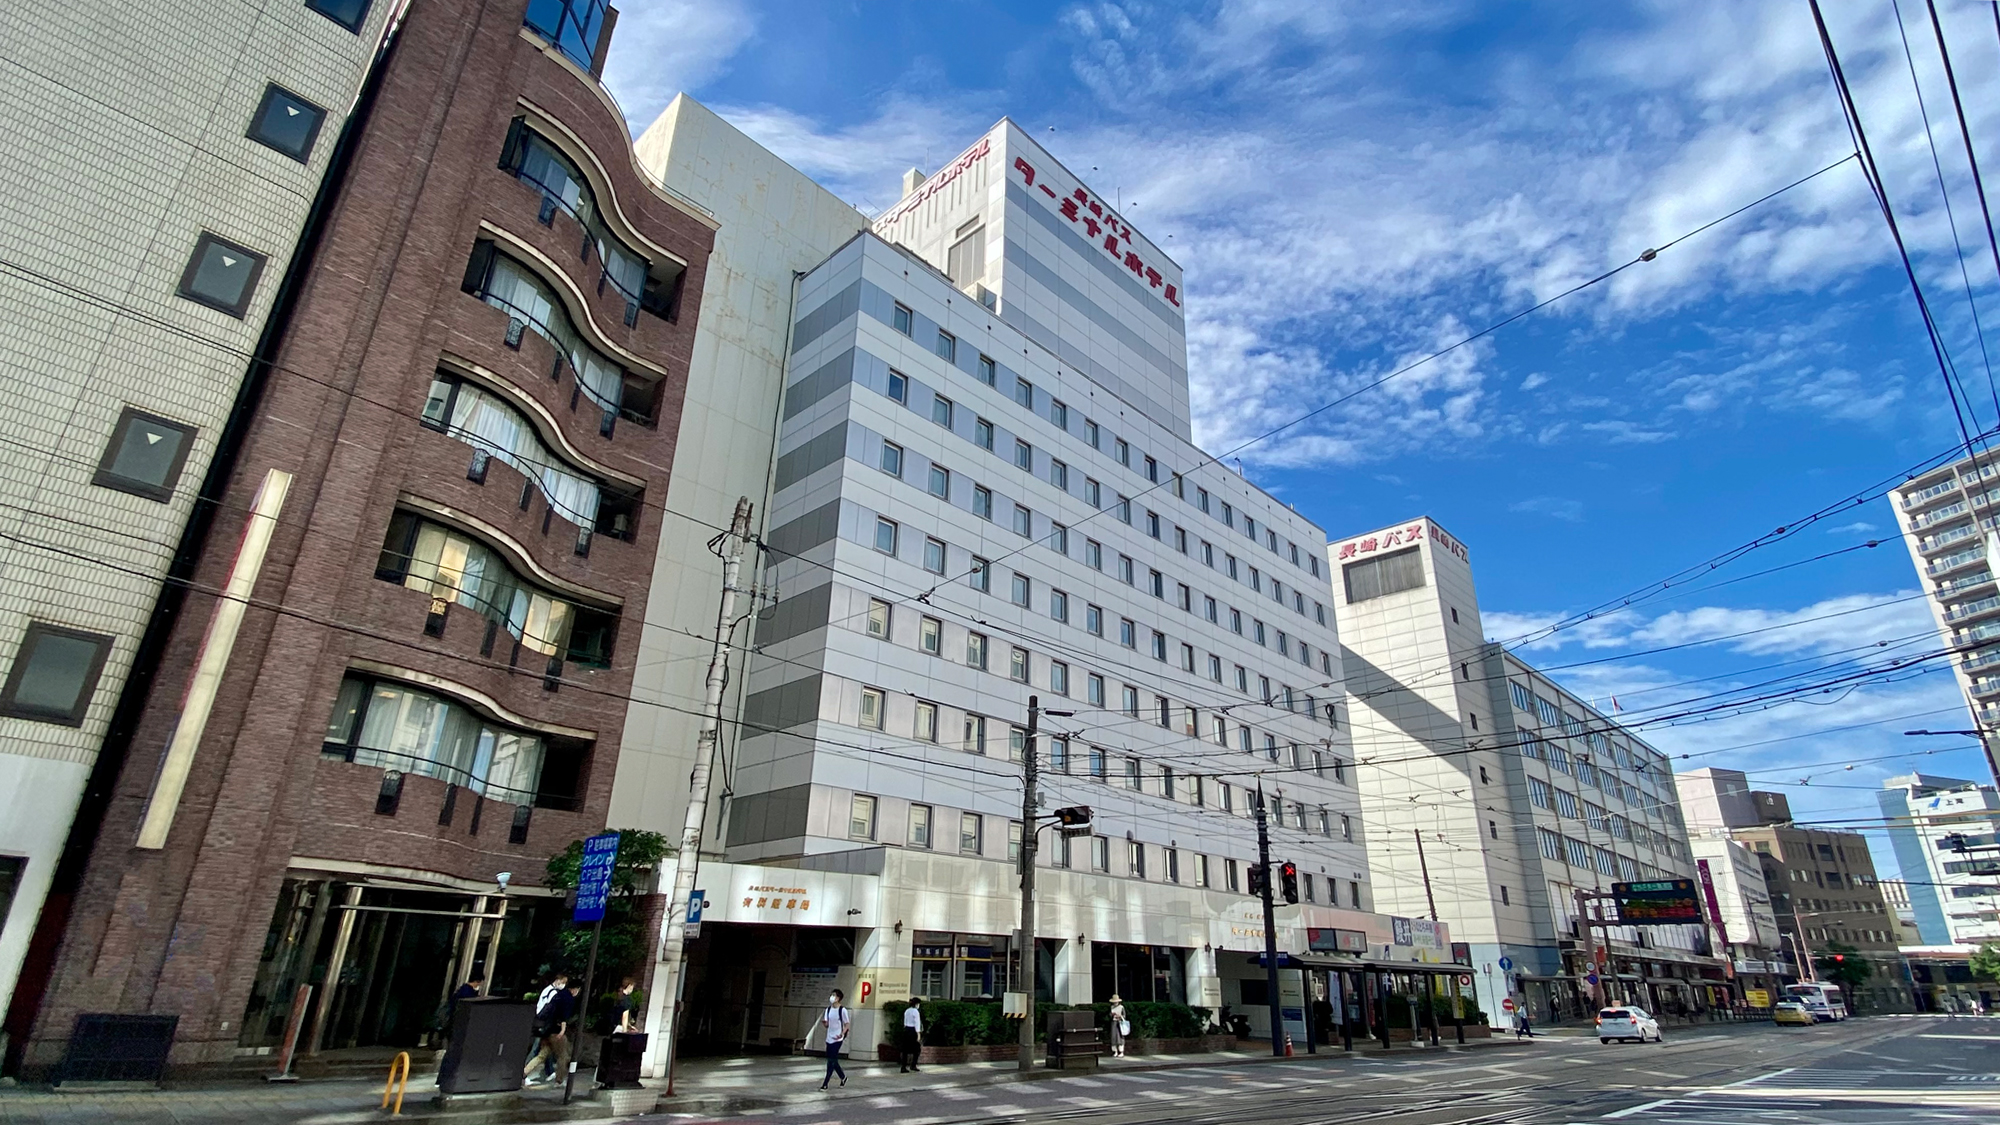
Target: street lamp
[[1985, 745]]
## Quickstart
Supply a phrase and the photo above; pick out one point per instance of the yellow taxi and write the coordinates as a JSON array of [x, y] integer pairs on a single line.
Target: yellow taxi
[[1791, 1012]]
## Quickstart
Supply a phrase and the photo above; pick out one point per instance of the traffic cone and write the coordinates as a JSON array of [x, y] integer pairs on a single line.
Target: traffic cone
[[1288, 1046]]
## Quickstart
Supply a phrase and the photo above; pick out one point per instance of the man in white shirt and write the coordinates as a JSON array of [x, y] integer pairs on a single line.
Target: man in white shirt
[[910, 1043], [836, 1022]]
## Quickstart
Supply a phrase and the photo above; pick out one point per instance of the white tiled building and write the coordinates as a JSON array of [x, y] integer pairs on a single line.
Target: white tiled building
[[1948, 521], [1946, 835], [177, 151], [1521, 792]]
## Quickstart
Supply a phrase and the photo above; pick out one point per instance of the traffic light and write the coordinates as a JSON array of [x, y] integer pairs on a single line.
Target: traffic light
[[1839, 958], [1257, 879], [1288, 875]]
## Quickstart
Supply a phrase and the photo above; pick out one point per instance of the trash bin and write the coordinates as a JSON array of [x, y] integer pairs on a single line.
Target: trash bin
[[490, 1041], [1072, 1043], [618, 1060]]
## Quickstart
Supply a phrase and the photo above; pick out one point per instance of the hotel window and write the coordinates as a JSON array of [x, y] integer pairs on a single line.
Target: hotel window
[[1308, 887], [975, 650], [1059, 755], [1097, 764], [1229, 565], [970, 833], [394, 727], [982, 501], [1122, 452], [54, 675], [1157, 583], [1058, 677], [1093, 620], [1173, 865], [1093, 554], [1152, 470], [920, 826], [1228, 516], [1059, 605], [1059, 474], [1152, 523], [1017, 744], [1125, 510], [982, 434], [1059, 414], [1024, 521], [930, 635], [885, 535], [1058, 539], [1100, 853], [1125, 569], [940, 483], [1180, 539], [1225, 798], [965, 262], [1023, 592], [934, 555], [904, 320], [1221, 729], [1130, 700], [1014, 841], [1200, 870], [1215, 668], [878, 618], [989, 372], [947, 346], [1024, 455], [1159, 645], [871, 708], [145, 455], [1201, 499], [1093, 493], [1132, 780], [899, 388], [1167, 782], [1271, 752], [1383, 575], [1024, 393], [941, 411], [1128, 632], [1091, 434], [973, 740], [1354, 894], [1231, 881], [1186, 598], [980, 577], [1017, 665], [926, 726], [1163, 711], [1135, 858], [861, 817], [1094, 688], [1187, 658], [1257, 634], [1242, 678]]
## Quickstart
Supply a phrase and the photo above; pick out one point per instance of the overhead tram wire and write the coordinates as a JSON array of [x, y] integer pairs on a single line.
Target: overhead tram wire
[[1872, 173], [1965, 129], [1951, 217]]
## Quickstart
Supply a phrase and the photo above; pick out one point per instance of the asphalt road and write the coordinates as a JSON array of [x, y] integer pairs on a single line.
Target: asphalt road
[[1885, 1071]]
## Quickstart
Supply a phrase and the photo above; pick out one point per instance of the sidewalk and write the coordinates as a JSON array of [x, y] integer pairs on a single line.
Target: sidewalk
[[705, 1086]]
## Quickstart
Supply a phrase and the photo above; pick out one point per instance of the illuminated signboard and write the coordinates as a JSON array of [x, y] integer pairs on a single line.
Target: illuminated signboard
[[1662, 902], [1336, 941]]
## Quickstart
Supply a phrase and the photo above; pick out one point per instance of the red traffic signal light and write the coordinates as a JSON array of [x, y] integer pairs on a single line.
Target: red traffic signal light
[[1288, 877], [1840, 957]]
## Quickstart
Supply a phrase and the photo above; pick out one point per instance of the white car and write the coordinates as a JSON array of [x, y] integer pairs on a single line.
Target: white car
[[1632, 1024]]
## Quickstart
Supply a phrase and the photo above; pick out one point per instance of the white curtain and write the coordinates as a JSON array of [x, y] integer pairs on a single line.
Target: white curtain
[[500, 430]]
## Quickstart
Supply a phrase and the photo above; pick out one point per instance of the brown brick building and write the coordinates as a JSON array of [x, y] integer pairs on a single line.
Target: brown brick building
[[445, 511]]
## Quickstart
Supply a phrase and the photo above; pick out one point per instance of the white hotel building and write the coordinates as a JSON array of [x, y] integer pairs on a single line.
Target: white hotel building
[[1520, 791], [984, 489]]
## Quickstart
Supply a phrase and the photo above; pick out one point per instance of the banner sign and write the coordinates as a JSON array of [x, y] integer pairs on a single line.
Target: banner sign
[[593, 877], [1661, 902]]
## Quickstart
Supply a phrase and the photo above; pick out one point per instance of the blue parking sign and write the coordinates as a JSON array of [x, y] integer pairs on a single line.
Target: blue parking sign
[[593, 877]]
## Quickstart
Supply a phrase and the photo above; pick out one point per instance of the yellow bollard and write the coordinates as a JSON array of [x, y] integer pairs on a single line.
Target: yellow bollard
[[402, 1063]]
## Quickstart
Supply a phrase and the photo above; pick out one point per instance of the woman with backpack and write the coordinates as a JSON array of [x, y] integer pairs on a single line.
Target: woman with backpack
[[836, 1022]]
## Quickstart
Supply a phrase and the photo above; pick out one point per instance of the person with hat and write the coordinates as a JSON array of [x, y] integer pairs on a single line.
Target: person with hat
[[1120, 1027]]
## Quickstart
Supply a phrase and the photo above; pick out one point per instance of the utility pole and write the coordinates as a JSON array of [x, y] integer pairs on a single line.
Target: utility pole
[[1423, 866], [1589, 947], [1270, 928], [1029, 775], [687, 859]]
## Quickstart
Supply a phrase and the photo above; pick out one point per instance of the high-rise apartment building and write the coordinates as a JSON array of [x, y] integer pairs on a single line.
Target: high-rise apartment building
[[178, 153], [1946, 834], [983, 492], [1823, 891], [1948, 521], [1496, 794], [434, 551]]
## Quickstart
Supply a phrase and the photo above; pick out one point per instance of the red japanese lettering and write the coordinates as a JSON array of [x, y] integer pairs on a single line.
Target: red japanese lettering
[[1152, 277], [1346, 552], [1393, 538], [1133, 263], [1091, 225], [1173, 297], [1049, 191], [1097, 208], [1368, 544], [1111, 244], [1026, 169], [1414, 532], [1068, 210]]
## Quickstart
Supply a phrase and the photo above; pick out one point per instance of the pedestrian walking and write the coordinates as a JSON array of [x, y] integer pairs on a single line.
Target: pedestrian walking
[[1120, 1026], [836, 1022], [910, 1042], [1522, 1026], [556, 1022], [557, 982]]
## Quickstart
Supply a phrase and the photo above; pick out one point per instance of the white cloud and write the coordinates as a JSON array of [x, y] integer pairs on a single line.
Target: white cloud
[[1554, 507], [1858, 527], [664, 47], [1534, 380]]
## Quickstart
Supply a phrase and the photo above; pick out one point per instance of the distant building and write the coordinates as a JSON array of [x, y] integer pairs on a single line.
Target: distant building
[[1823, 891], [1946, 832], [1896, 893], [1499, 794]]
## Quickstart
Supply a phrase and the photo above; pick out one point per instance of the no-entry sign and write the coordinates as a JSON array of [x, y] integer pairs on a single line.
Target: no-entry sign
[[1507, 1005]]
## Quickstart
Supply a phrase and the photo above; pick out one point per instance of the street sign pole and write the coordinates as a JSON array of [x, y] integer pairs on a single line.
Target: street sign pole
[[593, 893]]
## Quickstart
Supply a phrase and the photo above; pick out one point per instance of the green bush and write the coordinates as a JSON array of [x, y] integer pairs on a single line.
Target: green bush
[[974, 1023]]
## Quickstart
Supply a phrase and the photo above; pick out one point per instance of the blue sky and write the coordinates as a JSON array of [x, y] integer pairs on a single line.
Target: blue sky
[[1350, 187]]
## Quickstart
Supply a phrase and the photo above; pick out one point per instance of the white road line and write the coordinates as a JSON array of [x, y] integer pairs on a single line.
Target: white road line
[[1757, 1078], [1981, 1038], [1639, 1109], [956, 1095]]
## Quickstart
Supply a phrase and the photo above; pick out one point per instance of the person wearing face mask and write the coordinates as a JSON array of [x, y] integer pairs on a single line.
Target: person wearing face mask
[[836, 1022]]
